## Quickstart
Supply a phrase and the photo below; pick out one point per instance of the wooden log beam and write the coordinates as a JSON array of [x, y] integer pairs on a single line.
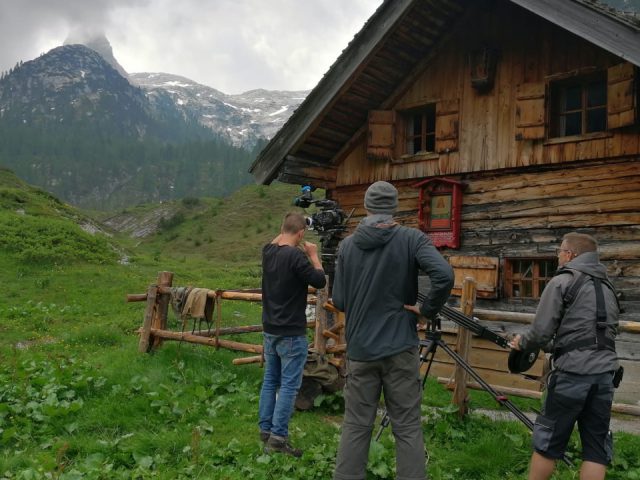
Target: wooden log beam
[[247, 360], [521, 392], [341, 348], [527, 318], [237, 330], [190, 338], [337, 328], [248, 295], [330, 334]]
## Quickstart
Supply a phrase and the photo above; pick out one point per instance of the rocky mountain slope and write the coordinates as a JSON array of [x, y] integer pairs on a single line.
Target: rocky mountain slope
[[242, 119]]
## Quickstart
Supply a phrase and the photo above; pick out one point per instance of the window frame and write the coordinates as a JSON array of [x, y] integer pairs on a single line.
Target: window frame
[[427, 133], [510, 276], [557, 111]]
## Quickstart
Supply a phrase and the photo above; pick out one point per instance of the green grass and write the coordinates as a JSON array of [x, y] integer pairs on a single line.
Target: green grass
[[77, 400]]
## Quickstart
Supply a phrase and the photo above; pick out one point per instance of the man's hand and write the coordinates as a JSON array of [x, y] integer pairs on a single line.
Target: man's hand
[[311, 249], [515, 342], [413, 308], [422, 320]]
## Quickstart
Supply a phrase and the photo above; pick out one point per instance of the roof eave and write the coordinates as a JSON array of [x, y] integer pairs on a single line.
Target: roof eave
[[610, 33], [266, 166]]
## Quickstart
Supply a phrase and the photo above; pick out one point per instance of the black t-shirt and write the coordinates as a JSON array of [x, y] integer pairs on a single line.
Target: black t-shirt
[[286, 276]]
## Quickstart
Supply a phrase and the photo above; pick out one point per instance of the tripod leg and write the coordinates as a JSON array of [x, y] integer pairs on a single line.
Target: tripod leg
[[501, 399]]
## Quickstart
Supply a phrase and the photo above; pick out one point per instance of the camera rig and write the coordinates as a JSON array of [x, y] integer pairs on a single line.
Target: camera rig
[[329, 222]]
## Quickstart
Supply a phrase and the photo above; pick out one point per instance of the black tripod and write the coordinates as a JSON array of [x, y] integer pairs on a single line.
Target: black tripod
[[433, 339]]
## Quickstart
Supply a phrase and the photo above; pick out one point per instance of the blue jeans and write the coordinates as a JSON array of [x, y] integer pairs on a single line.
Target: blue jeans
[[285, 358]]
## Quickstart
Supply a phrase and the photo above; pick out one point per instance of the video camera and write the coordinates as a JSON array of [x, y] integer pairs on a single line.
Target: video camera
[[329, 222], [329, 216]]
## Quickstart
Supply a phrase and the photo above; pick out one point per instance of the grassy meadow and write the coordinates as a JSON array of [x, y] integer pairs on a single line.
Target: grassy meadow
[[77, 400]]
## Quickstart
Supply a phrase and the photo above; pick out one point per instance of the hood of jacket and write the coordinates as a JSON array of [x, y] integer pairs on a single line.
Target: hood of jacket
[[374, 232], [588, 263]]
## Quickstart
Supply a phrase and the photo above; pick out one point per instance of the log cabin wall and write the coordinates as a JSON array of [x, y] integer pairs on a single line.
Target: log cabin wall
[[522, 194]]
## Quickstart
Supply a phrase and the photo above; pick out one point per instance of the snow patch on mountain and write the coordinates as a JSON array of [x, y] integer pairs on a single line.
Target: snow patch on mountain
[[241, 118]]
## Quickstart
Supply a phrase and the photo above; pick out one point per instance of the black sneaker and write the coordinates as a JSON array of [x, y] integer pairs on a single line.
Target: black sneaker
[[281, 445], [264, 436]]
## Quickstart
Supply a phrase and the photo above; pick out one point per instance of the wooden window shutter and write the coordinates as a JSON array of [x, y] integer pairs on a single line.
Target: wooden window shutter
[[382, 136], [484, 271], [621, 101], [530, 111], [447, 125]]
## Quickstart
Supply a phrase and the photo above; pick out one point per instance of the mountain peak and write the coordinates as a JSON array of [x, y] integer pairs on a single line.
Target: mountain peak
[[97, 42]]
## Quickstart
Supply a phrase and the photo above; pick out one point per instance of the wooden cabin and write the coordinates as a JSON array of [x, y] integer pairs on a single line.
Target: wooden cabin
[[503, 123]]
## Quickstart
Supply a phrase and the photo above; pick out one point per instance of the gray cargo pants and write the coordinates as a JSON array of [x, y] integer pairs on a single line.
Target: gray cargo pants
[[398, 376]]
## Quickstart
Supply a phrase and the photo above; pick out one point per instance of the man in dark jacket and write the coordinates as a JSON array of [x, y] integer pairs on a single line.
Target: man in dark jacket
[[580, 387], [376, 285], [286, 276]]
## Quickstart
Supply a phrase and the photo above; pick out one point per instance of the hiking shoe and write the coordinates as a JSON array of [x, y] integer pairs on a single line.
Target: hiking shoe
[[264, 436], [281, 445]]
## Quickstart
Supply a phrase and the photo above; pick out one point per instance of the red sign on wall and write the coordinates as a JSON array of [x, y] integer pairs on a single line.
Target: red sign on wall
[[439, 210]]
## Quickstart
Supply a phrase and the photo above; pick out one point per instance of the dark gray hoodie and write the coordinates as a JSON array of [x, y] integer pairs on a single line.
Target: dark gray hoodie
[[376, 275], [577, 321]]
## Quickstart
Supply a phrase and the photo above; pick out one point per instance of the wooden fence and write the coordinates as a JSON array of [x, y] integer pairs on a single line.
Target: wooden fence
[[487, 359]]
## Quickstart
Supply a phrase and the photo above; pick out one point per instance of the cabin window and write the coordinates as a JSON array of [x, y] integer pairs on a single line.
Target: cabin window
[[578, 106], [420, 130], [527, 277]]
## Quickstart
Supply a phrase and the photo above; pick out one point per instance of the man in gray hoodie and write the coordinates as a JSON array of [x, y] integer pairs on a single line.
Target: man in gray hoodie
[[578, 311], [376, 285]]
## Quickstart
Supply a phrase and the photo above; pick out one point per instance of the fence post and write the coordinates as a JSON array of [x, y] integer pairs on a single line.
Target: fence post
[[463, 346], [161, 313], [320, 341], [145, 333]]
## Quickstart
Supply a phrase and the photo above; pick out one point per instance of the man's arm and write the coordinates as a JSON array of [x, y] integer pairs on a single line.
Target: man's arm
[[440, 274], [310, 269], [548, 316]]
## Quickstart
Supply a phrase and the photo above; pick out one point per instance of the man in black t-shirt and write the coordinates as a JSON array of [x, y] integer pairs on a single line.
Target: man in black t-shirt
[[289, 266]]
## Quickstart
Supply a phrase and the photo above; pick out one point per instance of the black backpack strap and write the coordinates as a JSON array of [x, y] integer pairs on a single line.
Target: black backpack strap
[[601, 342], [578, 282]]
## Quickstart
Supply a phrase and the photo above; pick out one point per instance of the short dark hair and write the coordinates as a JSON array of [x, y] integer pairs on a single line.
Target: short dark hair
[[580, 243], [293, 222]]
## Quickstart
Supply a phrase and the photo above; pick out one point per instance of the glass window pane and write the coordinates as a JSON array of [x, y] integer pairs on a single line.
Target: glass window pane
[[417, 144], [417, 124], [573, 124], [573, 98], [431, 143], [541, 285], [596, 94], [527, 291], [597, 120]]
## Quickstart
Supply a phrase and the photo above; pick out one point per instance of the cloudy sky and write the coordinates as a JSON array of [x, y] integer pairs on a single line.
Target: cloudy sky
[[231, 45]]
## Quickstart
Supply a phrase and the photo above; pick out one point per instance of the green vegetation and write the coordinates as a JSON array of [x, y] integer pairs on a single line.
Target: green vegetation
[[77, 400]]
